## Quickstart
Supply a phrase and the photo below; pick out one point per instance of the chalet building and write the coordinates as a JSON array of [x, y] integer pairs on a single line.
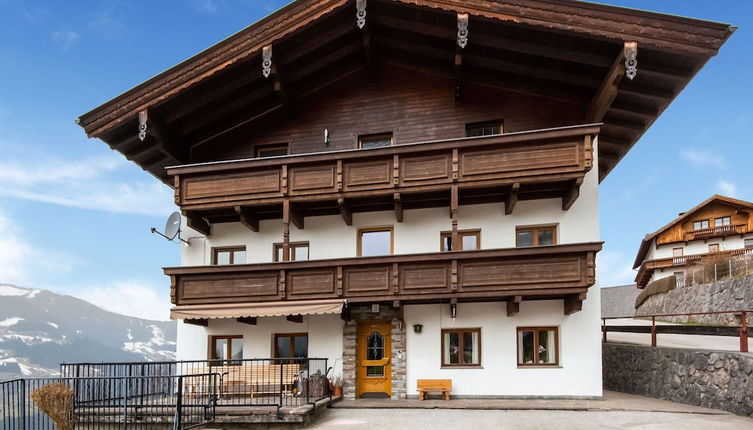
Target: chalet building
[[408, 188], [717, 228]]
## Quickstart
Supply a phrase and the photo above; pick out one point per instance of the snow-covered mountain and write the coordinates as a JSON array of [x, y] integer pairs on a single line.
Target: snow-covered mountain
[[40, 329]]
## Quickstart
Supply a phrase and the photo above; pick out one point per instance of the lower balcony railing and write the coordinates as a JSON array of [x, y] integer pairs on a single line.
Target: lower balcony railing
[[648, 267], [539, 272]]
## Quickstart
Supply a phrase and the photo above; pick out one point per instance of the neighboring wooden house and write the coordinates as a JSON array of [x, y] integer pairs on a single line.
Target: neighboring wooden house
[[718, 227], [413, 183]]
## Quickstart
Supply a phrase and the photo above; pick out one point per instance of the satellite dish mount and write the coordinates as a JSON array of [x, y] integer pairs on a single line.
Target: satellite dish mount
[[172, 229]]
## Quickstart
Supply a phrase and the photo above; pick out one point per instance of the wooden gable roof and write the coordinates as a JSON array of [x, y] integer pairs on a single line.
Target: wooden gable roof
[[683, 217], [566, 50]]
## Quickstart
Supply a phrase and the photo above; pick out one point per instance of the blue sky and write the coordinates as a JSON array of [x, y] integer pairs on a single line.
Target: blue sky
[[75, 216]]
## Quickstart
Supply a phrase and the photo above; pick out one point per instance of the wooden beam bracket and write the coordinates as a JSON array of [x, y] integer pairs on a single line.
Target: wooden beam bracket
[[295, 318], [247, 320], [266, 61], [247, 218], [626, 64], [398, 207], [361, 13], [512, 198], [198, 223], [513, 305], [574, 303], [345, 212], [572, 194]]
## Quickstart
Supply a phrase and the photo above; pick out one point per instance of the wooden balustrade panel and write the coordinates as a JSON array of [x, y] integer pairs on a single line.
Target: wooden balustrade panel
[[370, 174], [311, 283], [532, 159], [367, 281], [419, 278], [232, 186], [501, 275], [305, 180], [430, 168], [228, 287]]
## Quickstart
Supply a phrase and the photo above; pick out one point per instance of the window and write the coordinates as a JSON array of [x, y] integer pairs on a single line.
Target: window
[[375, 140], [680, 279], [461, 347], [375, 241], [721, 221], [538, 346], [536, 236], [299, 251], [226, 348], [486, 128], [375, 351], [272, 150], [291, 345], [698, 225], [469, 240], [676, 252], [749, 243], [229, 255], [713, 247]]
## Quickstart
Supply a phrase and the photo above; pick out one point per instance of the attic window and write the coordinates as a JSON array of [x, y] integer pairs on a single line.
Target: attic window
[[276, 150], [698, 225], [486, 128], [375, 140]]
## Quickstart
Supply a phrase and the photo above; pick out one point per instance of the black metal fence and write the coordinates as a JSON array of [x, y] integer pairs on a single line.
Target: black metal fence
[[273, 382], [132, 402]]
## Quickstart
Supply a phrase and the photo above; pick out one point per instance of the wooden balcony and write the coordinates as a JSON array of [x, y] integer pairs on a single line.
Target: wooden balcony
[[537, 164], [721, 231], [547, 272], [648, 266]]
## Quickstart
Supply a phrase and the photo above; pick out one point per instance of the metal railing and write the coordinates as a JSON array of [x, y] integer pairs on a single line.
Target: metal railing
[[273, 382], [740, 330], [132, 402]]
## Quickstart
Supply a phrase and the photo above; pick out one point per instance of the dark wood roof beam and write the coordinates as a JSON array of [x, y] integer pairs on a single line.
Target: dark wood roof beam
[[165, 139], [366, 40], [327, 60], [535, 71], [248, 218], [661, 97], [608, 90], [272, 70], [460, 45]]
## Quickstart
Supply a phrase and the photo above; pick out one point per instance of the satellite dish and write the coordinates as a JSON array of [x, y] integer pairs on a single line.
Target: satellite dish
[[172, 227]]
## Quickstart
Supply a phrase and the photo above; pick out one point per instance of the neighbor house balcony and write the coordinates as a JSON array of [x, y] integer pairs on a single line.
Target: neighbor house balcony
[[512, 274], [538, 164], [721, 231], [649, 266]]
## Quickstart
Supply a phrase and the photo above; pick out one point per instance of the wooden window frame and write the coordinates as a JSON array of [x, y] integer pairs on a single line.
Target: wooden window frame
[[361, 231], [461, 357], [708, 224], [535, 229], [461, 233], [536, 331], [231, 249], [682, 252], [718, 247], [291, 248], [292, 344], [212, 341], [748, 243], [722, 218], [375, 136], [273, 146], [484, 124]]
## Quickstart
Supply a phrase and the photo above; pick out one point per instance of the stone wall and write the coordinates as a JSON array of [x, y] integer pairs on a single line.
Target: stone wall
[[618, 301], [363, 313], [712, 379], [730, 294]]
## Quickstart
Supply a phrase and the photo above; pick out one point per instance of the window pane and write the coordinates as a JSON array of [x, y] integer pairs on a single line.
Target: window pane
[[451, 348], [525, 347], [278, 252], [545, 348], [470, 348], [236, 349], [376, 143], [239, 257], [375, 243], [301, 346], [220, 349], [749, 243], [525, 238], [677, 252], [546, 237], [722, 221], [375, 371], [301, 253], [446, 243], [283, 347], [223, 257], [375, 347], [469, 242]]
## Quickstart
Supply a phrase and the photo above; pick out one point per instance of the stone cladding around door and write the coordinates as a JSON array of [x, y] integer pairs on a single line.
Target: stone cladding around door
[[399, 354]]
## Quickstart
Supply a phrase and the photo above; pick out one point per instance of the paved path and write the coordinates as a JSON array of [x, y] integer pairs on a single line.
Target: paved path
[[616, 411]]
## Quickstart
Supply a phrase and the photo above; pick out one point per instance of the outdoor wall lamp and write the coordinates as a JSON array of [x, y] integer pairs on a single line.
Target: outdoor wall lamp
[[417, 328]]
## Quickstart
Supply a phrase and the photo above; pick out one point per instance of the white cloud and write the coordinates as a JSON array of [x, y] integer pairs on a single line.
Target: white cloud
[[20, 260], [131, 297], [65, 39], [615, 268], [84, 183], [726, 188], [700, 157]]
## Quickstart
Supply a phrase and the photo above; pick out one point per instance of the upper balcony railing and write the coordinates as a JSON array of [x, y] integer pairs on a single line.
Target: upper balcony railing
[[526, 165], [724, 230]]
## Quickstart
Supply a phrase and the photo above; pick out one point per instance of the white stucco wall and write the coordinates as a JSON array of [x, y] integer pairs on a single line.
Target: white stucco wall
[[325, 337], [579, 372]]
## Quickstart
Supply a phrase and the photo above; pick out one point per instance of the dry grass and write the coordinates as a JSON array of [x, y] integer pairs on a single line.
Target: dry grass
[[56, 400]]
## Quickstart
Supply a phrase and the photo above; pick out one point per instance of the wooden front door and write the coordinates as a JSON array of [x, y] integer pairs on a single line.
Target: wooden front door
[[373, 366]]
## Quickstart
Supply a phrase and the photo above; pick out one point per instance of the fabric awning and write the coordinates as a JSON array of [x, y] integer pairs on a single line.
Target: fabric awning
[[264, 309]]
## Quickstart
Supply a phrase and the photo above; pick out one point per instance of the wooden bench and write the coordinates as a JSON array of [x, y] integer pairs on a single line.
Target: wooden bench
[[249, 380], [425, 386]]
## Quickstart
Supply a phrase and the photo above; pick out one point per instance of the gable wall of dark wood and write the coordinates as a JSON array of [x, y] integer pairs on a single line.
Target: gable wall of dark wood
[[414, 106]]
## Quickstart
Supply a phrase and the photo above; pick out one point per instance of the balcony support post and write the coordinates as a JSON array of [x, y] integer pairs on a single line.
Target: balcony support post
[[454, 200], [286, 230], [512, 198]]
